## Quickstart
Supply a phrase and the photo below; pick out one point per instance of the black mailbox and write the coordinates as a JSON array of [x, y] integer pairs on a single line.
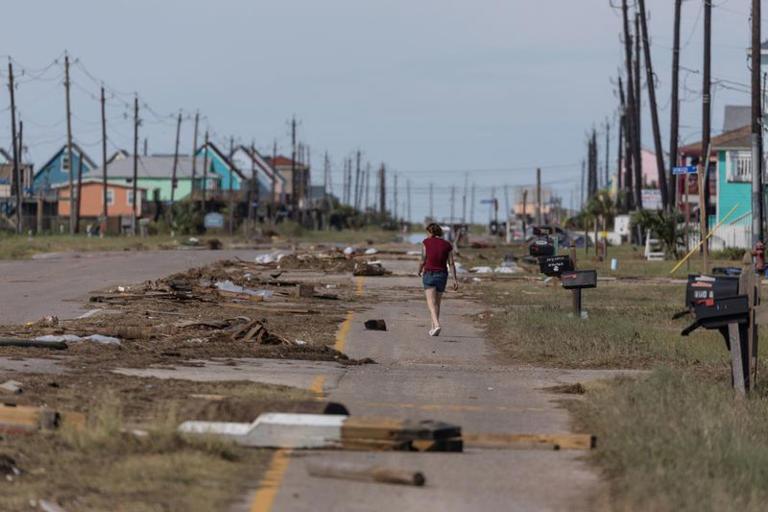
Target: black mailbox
[[542, 247], [729, 309], [555, 265], [579, 279], [704, 290]]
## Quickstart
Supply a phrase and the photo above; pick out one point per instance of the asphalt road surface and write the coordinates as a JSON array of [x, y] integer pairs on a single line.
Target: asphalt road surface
[[58, 284]]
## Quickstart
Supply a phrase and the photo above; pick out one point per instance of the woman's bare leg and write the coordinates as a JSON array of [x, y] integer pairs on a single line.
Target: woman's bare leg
[[438, 301], [433, 305]]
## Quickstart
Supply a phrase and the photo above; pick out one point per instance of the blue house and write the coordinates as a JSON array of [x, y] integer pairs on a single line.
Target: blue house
[[56, 170], [250, 162], [220, 164]]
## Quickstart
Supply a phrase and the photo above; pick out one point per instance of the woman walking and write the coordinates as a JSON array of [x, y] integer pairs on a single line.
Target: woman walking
[[436, 255]]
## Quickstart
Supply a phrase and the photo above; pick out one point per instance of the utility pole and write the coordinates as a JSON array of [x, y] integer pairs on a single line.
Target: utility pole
[[665, 202], [464, 199], [79, 202], [706, 104], [453, 202], [394, 208], [408, 199], [367, 184], [757, 136], [205, 173], [638, 120], [135, 162], [69, 147], [607, 152], [358, 184], [525, 213], [294, 180], [175, 166], [194, 155], [583, 169], [628, 147], [431, 202], [105, 207], [382, 191], [326, 178], [538, 197], [631, 110], [16, 150], [619, 155], [145, 152], [472, 206], [231, 190], [675, 104], [273, 200]]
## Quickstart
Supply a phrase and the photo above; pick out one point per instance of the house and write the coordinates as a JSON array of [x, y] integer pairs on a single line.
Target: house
[[285, 166], [6, 176], [119, 199], [230, 177], [56, 170], [155, 173], [250, 160]]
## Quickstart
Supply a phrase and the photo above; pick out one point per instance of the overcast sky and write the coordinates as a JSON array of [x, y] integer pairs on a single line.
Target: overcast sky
[[433, 88]]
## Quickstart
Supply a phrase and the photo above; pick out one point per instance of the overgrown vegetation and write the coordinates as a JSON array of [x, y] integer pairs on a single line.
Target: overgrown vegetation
[[675, 441], [662, 225], [629, 326]]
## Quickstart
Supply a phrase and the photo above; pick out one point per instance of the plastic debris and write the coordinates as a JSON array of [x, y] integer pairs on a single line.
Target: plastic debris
[[230, 287], [349, 251], [371, 250], [300, 342], [505, 270], [73, 338], [481, 270]]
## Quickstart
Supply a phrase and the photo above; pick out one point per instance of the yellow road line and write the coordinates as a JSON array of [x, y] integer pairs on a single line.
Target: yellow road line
[[341, 337], [264, 498], [317, 385], [359, 285]]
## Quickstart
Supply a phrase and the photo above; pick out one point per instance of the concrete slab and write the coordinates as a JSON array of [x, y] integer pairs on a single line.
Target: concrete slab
[[284, 372], [31, 365]]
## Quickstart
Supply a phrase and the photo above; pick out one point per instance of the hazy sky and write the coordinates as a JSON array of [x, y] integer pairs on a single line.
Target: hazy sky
[[433, 88]]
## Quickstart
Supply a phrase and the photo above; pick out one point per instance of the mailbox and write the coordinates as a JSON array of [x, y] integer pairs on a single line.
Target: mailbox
[[578, 279], [555, 265], [702, 289], [719, 314], [542, 246]]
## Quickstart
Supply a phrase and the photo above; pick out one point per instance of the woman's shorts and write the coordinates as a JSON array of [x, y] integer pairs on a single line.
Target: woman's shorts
[[437, 280]]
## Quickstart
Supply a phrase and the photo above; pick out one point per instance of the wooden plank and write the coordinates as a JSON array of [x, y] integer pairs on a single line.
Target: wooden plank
[[737, 370], [454, 444], [373, 427], [363, 473], [555, 441], [376, 445]]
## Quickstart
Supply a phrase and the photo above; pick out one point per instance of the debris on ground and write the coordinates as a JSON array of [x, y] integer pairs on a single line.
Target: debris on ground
[[366, 473], [364, 268], [12, 387], [376, 325], [73, 338], [24, 343], [26, 418], [8, 466], [334, 431]]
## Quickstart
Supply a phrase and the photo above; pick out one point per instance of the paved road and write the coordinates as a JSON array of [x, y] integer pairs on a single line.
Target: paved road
[[453, 378], [59, 284]]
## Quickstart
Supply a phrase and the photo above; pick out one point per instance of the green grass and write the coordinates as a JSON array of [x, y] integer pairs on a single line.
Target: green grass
[[22, 247], [676, 441], [629, 326]]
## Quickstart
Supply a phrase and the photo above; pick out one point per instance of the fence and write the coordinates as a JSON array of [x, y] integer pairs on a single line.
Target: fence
[[733, 233]]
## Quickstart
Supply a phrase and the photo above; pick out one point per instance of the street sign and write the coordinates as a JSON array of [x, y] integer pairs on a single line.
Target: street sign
[[688, 169], [487, 201], [213, 220]]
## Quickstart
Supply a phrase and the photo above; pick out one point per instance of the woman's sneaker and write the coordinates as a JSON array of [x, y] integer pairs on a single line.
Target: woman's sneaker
[[434, 331]]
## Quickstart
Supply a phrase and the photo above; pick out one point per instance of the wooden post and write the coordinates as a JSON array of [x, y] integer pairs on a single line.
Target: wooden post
[[749, 285], [737, 370], [39, 215]]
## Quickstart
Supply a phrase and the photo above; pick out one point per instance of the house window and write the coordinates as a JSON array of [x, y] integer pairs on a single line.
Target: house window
[[110, 197], [740, 166], [129, 195], [65, 161]]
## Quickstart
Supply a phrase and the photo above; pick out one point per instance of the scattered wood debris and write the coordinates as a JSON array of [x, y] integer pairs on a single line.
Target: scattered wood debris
[[364, 268]]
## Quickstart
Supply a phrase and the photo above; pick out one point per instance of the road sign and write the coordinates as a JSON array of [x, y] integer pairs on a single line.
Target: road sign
[[213, 220], [688, 169], [487, 201]]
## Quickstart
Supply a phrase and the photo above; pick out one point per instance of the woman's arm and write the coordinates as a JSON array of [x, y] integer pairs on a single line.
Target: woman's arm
[[452, 263], [423, 260]]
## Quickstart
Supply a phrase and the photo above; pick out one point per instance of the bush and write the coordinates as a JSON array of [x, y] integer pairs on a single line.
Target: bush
[[730, 253]]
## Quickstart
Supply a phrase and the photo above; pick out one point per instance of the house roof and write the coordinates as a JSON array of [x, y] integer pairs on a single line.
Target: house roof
[[75, 149], [118, 155], [736, 116], [740, 138], [733, 139], [99, 181], [223, 157], [283, 161], [262, 163], [5, 155], [764, 46], [150, 167]]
